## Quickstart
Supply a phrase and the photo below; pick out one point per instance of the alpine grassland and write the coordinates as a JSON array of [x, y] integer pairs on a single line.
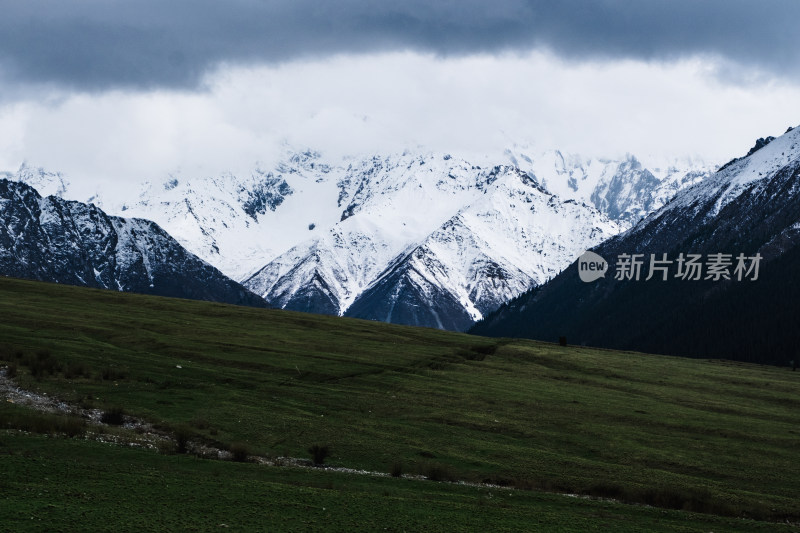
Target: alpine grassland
[[378, 426]]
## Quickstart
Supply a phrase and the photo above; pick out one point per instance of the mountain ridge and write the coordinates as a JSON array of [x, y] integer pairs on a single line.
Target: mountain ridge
[[312, 233], [61, 241], [749, 207]]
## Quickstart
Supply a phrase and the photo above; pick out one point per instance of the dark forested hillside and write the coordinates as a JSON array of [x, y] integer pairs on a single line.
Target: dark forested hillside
[[732, 213]]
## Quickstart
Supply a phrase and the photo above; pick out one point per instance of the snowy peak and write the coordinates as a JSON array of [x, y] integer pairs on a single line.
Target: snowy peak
[[514, 236], [746, 213], [232, 220], [60, 241], [624, 190], [739, 176], [391, 203], [46, 183], [313, 233]]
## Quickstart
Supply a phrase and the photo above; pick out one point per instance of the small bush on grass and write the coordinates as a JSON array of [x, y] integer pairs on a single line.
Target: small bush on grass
[[87, 402], [72, 426], [516, 482], [240, 452], [438, 472], [113, 417], [112, 374], [607, 490], [319, 453], [166, 447], [200, 423], [75, 370], [43, 423], [182, 436], [697, 500], [179, 443], [397, 469], [42, 364]]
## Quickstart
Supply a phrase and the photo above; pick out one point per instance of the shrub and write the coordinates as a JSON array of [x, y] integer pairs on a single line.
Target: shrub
[[72, 426], [44, 423], [75, 370], [114, 416], [240, 452], [438, 472], [694, 500], [477, 353], [42, 364], [37, 370], [166, 447], [200, 423], [11, 370], [319, 453], [111, 374], [87, 402], [607, 490], [182, 436], [397, 469], [518, 483]]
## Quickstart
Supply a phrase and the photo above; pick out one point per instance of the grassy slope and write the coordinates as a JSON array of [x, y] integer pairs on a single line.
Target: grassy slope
[[71, 485], [711, 436]]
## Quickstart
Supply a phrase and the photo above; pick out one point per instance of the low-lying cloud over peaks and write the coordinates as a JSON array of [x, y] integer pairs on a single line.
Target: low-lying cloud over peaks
[[101, 44]]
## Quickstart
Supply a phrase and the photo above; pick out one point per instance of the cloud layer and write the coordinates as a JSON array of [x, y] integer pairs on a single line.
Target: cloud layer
[[473, 106], [101, 44]]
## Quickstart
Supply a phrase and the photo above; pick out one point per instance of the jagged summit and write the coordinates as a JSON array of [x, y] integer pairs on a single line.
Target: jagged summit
[[314, 233], [515, 236], [749, 208], [51, 239]]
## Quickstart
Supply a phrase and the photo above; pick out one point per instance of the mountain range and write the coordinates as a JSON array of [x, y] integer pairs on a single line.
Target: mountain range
[[55, 240], [740, 225], [420, 238]]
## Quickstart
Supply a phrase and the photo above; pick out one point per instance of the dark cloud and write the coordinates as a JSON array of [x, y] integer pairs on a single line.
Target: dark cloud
[[100, 44]]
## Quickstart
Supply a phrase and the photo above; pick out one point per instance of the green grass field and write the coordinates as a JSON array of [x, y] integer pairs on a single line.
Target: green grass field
[[717, 441]]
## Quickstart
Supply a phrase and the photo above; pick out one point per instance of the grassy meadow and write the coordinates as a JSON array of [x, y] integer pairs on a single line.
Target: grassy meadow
[[686, 444]]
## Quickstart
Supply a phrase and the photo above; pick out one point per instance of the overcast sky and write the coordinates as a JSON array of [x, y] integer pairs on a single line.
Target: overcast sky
[[121, 90]]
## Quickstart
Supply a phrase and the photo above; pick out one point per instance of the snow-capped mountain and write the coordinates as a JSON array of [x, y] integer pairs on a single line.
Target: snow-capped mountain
[[625, 190], [238, 222], [385, 206], [313, 233], [46, 183], [438, 241], [751, 206], [514, 236], [51, 239]]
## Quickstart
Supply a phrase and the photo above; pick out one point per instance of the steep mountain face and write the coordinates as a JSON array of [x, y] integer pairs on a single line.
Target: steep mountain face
[[60, 241], [46, 183], [315, 234], [474, 238], [625, 191], [515, 236], [383, 207], [750, 207], [468, 241], [235, 222]]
